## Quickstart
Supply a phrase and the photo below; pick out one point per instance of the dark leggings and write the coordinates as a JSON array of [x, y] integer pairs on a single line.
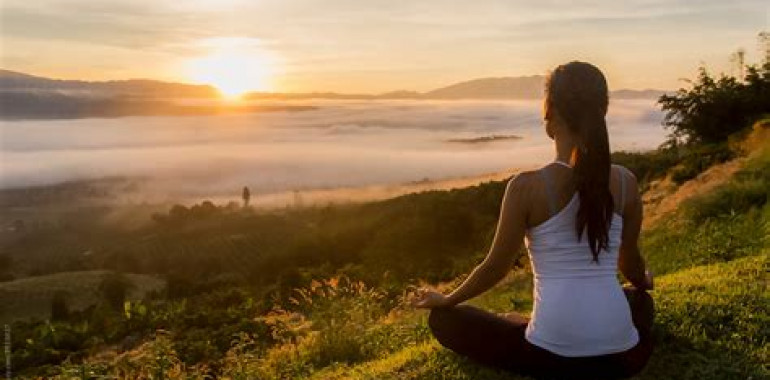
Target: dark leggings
[[497, 340]]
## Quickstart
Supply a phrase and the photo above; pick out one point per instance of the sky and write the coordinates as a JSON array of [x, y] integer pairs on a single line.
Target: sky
[[374, 45]]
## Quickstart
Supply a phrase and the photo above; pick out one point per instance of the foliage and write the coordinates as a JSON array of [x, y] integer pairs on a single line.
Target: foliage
[[647, 166], [114, 287], [727, 223], [715, 108], [59, 309]]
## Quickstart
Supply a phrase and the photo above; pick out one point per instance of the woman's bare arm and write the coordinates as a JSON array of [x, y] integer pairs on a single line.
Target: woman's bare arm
[[505, 248], [630, 262]]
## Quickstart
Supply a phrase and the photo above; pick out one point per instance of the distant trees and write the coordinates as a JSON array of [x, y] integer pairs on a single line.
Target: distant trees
[[180, 214], [715, 108]]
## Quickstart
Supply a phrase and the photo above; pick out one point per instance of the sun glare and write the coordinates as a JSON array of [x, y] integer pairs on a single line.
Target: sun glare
[[234, 66]]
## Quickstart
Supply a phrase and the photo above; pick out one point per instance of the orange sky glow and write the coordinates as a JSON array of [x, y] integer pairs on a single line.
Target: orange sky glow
[[372, 46]]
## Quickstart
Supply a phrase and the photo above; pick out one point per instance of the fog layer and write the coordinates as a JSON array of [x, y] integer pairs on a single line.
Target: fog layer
[[340, 144]]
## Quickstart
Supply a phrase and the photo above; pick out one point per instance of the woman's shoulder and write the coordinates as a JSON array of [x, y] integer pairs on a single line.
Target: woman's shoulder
[[624, 171], [522, 180], [522, 185]]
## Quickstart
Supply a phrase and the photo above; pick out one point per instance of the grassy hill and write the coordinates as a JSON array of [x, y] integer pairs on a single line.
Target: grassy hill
[[31, 297], [711, 254]]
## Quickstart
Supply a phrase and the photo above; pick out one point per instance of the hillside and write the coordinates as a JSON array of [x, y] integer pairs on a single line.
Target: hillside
[[710, 253], [711, 293], [30, 297]]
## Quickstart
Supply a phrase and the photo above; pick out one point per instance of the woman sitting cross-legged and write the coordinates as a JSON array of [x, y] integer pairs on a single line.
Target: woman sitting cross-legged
[[580, 217]]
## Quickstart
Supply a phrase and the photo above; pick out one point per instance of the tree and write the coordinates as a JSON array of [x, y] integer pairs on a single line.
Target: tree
[[739, 60], [715, 108], [246, 196], [59, 309], [114, 288]]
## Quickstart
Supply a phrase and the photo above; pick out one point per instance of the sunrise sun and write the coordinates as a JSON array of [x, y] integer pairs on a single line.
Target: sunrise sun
[[234, 66]]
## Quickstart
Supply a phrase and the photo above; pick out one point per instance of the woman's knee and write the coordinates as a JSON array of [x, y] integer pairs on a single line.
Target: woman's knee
[[443, 320], [439, 322]]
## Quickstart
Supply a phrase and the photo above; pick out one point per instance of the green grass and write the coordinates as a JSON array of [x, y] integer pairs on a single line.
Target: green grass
[[711, 323], [31, 297], [711, 296], [711, 257]]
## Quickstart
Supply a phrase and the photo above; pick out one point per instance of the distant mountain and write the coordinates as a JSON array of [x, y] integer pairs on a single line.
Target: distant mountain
[[24, 96], [637, 94], [530, 87], [527, 87], [55, 105], [11, 81]]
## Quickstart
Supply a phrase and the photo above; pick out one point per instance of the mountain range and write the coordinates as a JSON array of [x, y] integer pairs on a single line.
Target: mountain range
[[24, 96]]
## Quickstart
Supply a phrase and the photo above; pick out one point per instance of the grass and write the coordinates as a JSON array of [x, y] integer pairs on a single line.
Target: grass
[[711, 256], [711, 323], [711, 296], [31, 297]]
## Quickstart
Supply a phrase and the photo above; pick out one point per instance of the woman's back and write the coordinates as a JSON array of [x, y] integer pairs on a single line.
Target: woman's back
[[583, 323], [580, 308]]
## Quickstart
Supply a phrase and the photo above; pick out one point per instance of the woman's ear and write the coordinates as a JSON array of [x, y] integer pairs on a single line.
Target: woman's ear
[[550, 122], [549, 128]]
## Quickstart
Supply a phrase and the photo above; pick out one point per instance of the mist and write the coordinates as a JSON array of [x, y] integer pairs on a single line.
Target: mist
[[351, 144]]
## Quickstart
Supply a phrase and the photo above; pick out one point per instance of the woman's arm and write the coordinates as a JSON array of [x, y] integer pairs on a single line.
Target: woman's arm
[[630, 262], [504, 252]]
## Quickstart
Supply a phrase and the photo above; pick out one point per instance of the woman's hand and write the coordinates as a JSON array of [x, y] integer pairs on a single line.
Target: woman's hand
[[429, 299]]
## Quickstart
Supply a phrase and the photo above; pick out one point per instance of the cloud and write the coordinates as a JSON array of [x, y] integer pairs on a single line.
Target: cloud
[[371, 46]]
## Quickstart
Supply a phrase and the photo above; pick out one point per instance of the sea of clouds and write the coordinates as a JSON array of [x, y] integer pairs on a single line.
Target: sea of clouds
[[338, 144]]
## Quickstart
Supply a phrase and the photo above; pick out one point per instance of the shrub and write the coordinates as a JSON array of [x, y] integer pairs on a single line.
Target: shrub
[[715, 108], [114, 288], [647, 166], [695, 159]]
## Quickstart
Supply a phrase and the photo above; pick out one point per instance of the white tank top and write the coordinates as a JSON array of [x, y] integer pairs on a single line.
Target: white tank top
[[579, 306]]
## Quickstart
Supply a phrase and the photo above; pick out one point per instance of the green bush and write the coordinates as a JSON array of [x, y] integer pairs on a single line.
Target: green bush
[[715, 108], [647, 166]]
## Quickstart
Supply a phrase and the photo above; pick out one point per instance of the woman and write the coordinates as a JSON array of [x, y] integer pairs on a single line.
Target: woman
[[580, 217]]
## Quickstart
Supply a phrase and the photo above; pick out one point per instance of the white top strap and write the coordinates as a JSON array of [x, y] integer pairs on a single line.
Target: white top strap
[[622, 189], [550, 197]]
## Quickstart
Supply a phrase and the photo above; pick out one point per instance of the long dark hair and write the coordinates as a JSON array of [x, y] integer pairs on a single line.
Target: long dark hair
[[577, 91]]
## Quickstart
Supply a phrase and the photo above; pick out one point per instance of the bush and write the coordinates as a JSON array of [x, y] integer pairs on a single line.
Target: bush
[[59, 309], [114, 288], [647, 166], [715, 108]]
